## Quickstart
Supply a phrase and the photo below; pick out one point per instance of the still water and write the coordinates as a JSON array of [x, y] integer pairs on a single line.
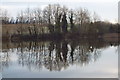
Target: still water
[[60, 59]]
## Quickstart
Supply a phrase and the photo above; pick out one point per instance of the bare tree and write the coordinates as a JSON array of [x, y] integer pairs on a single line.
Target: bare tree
[[64, 23], [71, 15], [83, 18], [5, 16], [48, 17], [53, 17], [38, 19], [21, 21], [38, 15], [28, 15], [96, 17]]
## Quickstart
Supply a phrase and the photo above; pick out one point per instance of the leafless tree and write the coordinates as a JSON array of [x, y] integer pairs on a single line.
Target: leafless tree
[[96, 17], [71, 19], [5, 16], [82, 18]]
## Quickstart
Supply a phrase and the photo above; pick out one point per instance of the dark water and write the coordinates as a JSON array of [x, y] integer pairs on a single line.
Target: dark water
[[60, 59]]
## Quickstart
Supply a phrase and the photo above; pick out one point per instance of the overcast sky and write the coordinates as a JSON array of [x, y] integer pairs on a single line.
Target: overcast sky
[[106, 9]]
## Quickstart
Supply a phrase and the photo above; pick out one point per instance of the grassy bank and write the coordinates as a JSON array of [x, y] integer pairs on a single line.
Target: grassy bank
[[10, 32]]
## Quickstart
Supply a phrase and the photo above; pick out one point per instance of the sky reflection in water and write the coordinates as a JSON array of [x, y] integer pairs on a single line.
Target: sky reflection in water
[[46, 60]]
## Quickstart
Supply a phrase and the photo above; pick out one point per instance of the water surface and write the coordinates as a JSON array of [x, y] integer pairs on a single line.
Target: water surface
[[60, 59]]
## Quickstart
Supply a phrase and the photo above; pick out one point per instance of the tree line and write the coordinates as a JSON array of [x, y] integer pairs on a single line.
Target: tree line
[[60, 19]]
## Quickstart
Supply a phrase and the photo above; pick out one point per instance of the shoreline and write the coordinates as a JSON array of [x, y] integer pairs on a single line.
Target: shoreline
[[48, 37]]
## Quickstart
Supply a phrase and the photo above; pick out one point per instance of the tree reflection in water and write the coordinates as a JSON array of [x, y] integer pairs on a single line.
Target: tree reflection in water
[[55, 55], [5, 58]]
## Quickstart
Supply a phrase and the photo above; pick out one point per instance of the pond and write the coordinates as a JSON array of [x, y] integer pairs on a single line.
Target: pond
[[60, 59]]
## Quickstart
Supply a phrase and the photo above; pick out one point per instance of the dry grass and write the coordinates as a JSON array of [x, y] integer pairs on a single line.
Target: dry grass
[[12, 28], [111, 37], [9, 28]]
